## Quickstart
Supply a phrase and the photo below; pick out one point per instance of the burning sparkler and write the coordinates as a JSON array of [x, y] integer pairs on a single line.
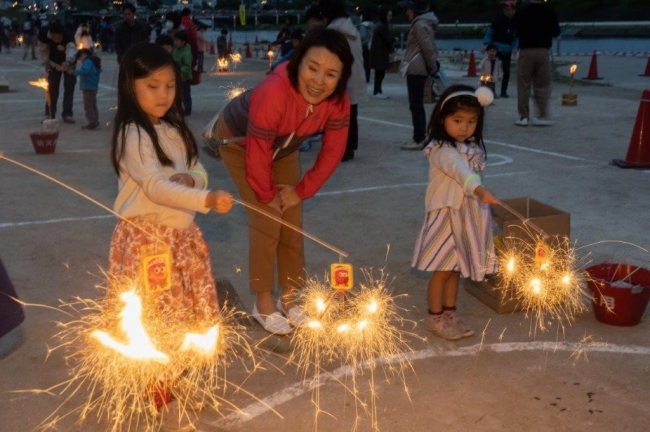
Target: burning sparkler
[[270, 54], [222, 65], [126, 352], [362, 332], [236, 59]]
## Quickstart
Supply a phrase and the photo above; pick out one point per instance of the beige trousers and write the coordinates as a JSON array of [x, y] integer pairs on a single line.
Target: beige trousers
[[269, 241]]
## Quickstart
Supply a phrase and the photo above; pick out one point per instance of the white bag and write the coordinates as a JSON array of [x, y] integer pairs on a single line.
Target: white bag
[[404, 65]]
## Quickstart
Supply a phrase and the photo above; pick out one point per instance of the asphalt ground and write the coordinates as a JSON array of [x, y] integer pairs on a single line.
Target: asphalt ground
[[510, 375]]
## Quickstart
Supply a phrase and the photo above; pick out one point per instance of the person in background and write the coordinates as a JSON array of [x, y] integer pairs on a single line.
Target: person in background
[[491, 66], [182, 53], [29, 41], [4, 38], [222, 44], [88, 71], [501, 35], [129, 32], [365, 32], [380, 50], [106, 37], [299, 98], [421, 56], [58, 53], [336, 18], [456, 237], [188, 25], [84, 40], [296, 38], [200, 46], [536, 25]]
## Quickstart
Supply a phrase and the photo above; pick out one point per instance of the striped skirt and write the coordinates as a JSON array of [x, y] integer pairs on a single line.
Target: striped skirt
[[457, 240], [172, 265]]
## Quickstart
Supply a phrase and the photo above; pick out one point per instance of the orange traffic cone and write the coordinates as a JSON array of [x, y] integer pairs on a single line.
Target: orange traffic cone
[[593, 68], [471, 69], [230, 45], [638, 153], [647, 69], [249, 54], [212, 47]]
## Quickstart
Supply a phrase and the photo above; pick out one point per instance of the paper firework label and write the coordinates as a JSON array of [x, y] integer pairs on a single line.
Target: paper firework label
[[156, 268], [541, 253], [341, 277]]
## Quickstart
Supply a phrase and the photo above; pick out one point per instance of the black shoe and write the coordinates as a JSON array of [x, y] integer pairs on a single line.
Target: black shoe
[[347, 156], [504, 95]]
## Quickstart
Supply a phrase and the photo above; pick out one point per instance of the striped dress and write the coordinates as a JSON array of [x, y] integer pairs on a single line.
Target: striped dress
[[458, 240]]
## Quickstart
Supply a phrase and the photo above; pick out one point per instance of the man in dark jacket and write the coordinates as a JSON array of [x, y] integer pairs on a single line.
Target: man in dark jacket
[[536, 25], [501, 34], [129, 32], [58, 52]]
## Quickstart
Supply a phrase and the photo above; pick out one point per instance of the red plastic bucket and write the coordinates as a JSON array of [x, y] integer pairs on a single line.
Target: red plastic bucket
[[620, 293], [44, 142]]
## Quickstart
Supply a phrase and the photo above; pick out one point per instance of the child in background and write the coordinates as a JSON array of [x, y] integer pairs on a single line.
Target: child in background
[[222, 45], [491, 65], [166, 42], [88, 73], [182, 53], [296, 38], [160, 188], [456, 237], [200, 46]]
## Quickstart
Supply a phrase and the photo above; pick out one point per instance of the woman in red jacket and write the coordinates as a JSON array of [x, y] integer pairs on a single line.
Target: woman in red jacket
[[296, 100]]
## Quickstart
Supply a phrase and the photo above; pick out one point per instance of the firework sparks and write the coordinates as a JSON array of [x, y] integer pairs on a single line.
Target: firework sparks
[[551, 289], [235, 58], [234, 91], [359, 331], [160, 355]]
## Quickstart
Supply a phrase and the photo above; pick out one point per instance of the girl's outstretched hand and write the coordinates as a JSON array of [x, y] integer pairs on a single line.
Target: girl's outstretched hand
[[485, 195], [220, 201]]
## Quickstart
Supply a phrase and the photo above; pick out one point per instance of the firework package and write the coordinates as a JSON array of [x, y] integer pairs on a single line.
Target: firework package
[[512, 233]]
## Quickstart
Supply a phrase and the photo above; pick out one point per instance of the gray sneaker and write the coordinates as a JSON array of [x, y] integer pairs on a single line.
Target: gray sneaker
[[539, 121], [459, 324], [522, 122], [412, 146], [440, 326]]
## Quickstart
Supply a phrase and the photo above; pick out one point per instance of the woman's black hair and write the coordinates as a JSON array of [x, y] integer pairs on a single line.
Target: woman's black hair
[[335, 43], [182, 35], [332, 9], [445, 108], [140, 61]]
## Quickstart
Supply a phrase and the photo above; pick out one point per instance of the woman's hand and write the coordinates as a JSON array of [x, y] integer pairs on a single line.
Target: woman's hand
[[220, 201], [485, 195], [184, 179], [288, 196], [276, 204]]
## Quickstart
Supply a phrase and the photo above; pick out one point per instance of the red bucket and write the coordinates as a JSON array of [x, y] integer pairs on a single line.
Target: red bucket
[[620, 293], [44, 142]]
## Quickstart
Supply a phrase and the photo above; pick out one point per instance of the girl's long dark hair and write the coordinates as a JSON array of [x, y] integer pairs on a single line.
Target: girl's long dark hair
[[436, 127], [140, 61]]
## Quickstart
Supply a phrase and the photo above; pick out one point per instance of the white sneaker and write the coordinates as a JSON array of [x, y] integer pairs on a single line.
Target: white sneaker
[[522, 122], [538, 121], [274, 323], [296, 315], [412, 146]]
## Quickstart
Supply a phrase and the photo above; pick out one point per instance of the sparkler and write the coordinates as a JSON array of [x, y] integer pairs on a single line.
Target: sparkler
[[270, 54], [236, 59], [362, 333], [125, 351], [572, 72]]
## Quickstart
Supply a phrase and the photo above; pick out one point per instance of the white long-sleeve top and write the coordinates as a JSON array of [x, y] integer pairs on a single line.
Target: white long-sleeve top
[[450, 177], [144, 188]]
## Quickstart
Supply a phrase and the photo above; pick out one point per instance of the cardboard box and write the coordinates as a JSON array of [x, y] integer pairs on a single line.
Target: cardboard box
[[551, 220]]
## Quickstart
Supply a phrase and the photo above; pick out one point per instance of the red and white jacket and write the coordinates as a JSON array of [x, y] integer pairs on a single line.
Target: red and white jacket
[[276, 119]]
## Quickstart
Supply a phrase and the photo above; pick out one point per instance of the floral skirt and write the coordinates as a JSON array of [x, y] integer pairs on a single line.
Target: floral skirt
[[457, 240], [173, 265]]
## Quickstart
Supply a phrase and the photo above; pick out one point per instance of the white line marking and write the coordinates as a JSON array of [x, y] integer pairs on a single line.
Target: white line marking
[[52, 221], [263, 406]]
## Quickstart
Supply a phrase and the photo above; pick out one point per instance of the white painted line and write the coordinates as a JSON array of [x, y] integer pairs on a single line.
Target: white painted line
[[263, 406], [52, 221]]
